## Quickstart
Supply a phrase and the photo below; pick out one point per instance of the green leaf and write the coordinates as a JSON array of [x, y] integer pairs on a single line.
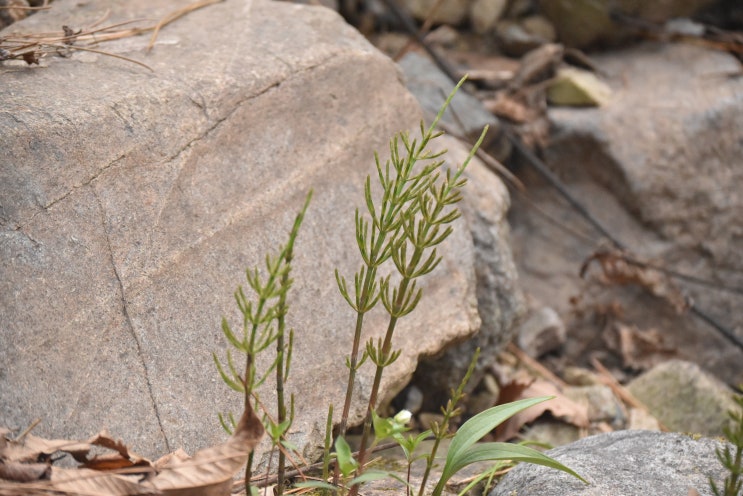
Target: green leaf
[[346, 462], [386, 427], [475, 428], [227, 331], [505, 451], [317, 485], [225, 378], [410, 443], [463, 451], [372, 475], [223, 423]]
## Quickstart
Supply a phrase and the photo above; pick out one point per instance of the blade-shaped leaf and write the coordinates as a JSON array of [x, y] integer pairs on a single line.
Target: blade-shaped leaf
[[504, 451], [475, 428]]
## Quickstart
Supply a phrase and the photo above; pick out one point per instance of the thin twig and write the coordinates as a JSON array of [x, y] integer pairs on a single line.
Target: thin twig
[[176, 15], [23, 7], [35, 45], [28, 429], [102, 52], [422, 32], [620, 391], [536, 366], [409, 24]]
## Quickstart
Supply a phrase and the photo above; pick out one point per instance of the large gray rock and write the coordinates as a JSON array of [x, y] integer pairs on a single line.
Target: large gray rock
[[622, 463], [132, 201]]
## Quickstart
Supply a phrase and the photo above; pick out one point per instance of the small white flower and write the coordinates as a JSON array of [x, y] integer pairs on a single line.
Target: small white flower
[[403, 417]]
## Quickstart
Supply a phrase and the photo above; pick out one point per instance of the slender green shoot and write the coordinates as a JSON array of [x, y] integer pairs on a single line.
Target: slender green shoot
[[263, 325], [377, 234], [421, 224], [450, 411], [731, 457]]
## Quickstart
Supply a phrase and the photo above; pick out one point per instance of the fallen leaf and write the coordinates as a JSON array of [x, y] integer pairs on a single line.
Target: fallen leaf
[[508, 107], [35, 448], [77, 482], [24, 472], [210, 471], [86, 482], [123, 458], [560, 407], [618, 268], [639, 349]]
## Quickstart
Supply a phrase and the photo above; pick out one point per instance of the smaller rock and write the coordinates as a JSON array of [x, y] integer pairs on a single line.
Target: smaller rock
[[520, 8], [447, 12], [413, 399], [578, 376], [515, 40], [622, 463], [578, 88], [542, 331], [684, 398], [639, 419], [485, 397], [540, 27], [551, 433], [600, 403], [485, 13], [444, 36], [584, 23]]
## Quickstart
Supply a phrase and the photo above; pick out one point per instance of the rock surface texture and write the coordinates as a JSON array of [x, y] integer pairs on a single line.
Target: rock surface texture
[[622, 463], [132, 201]]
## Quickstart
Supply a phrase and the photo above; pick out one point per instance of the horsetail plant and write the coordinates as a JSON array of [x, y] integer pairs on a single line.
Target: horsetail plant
[[264, 325], [405, 226], [400, 230], [731, 457]]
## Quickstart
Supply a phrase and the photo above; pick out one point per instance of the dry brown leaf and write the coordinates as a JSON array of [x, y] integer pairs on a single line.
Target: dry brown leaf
[[24, 472], [123, 458], [94, 483], [210, 471], [35, 448], [510, 108], [618, 269], [177, 456], [639, 349], [77, 482], [561, 407]]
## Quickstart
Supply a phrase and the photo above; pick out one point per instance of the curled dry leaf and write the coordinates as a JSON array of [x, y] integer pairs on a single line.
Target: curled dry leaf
[[618, 268], [36, 448], [24, 472], [511, 108], [639, 349], [561, 407], [122, 458], [208, 473]]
